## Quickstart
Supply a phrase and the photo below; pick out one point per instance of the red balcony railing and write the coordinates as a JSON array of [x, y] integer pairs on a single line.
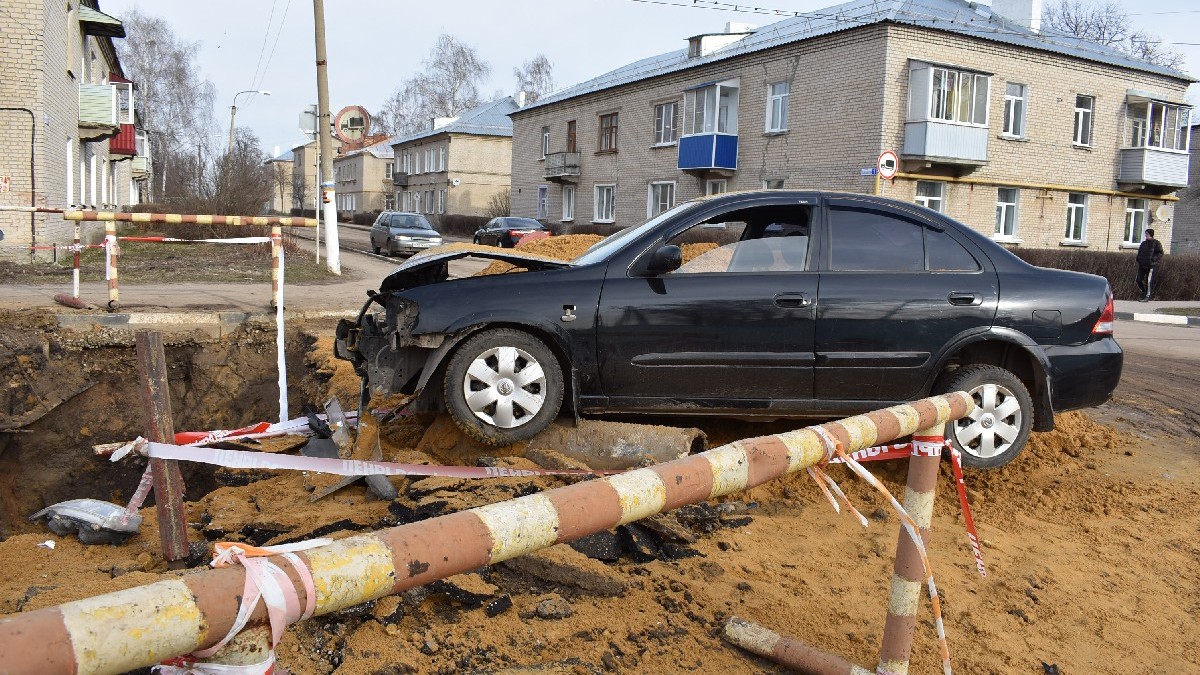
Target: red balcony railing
[[125, 142]]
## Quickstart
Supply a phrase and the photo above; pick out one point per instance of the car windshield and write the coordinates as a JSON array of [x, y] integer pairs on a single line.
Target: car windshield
[[411, 222], [605, 247]]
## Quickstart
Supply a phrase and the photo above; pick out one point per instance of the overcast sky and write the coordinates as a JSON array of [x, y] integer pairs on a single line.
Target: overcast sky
[[375, 44]]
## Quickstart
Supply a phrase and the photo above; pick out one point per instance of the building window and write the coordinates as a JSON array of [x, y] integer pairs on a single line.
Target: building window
[[571, 147], [442, 158], [389, 201], [1076, 218], [1006, 213], [1084, 105], [666, 123], [545, 141], [606, 204], [568, 204], [773, 184], [429, 201], [711, 108], [954, 96], [661, 198], [931, 194], [416, 202], [715, 186], [430, 160], [417, 162], [608, 131], [388, 169], [442, 201], [70, 172], [1014, 110], [407, 201], [543, 201], [777, 106], [1158, 125], [1137, 212]]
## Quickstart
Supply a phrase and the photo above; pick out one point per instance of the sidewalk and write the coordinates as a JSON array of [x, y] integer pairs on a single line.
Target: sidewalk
[[1132, 310]]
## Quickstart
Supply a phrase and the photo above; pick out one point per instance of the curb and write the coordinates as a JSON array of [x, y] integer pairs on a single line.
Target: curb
[[1165, 319]]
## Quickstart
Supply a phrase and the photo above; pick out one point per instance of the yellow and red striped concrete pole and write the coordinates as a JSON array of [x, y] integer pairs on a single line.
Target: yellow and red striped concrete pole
[[113, 259], [909, 570], [795, 654], [142, 626]]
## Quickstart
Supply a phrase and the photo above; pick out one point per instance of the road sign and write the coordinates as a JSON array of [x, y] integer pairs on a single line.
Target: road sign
[[888, 164], [308, 120], [6, 185], [868, 172]]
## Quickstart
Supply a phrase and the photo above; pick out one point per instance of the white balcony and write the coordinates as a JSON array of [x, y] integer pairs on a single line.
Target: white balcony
[[1154, 166], [945, 142]]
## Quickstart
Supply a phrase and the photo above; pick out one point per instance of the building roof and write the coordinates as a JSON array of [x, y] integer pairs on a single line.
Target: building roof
[[382, 150], [283, 157], [956, 16], [487, 119]]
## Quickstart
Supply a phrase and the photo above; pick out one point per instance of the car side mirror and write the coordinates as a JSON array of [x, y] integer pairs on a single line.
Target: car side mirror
[[667, 258]]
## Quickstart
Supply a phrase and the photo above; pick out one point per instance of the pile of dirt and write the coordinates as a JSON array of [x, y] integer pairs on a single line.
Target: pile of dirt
[[1080, 533], [566, 247]]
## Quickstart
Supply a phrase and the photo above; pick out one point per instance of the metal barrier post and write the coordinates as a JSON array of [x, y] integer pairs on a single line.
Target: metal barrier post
[[112, 259], [277, 272]]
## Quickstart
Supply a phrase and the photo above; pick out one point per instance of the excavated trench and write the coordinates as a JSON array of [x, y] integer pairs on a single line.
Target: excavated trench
[[66, 390]]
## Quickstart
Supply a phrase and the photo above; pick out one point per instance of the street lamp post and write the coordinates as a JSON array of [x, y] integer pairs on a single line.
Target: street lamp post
[[233, 111]]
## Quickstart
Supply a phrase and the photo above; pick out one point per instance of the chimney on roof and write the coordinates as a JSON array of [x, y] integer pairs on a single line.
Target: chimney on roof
[[520, 99], [439, 122], [276, 151], [1027, 13], [707, 43]]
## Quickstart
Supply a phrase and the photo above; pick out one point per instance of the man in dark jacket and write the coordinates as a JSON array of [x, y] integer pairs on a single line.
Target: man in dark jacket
[[1150, 251]]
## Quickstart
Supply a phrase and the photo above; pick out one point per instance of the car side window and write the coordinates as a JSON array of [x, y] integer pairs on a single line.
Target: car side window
[[947, 255], [866, 240], [764, 239]]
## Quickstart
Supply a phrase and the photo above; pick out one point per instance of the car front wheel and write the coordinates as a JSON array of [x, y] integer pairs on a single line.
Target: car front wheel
[[503, 386], [998, 427]]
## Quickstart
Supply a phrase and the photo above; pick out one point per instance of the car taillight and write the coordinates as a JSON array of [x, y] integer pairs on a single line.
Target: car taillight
[[515, 233], [1104, 326]]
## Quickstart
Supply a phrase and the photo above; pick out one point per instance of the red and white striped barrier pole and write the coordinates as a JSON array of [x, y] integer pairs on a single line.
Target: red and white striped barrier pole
[[112, 256], [75, 270], [142, 626], [277, 271]]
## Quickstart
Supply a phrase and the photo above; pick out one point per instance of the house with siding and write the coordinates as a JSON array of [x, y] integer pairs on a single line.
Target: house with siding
[[363, 180], [1031, 136], [458, 165], [71, 135]]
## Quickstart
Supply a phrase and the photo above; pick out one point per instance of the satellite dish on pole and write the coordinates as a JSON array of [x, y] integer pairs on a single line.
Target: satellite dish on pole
[[351, 123], [1162, 213]]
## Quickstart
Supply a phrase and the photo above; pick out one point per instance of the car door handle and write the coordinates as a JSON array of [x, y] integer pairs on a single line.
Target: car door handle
[[791, 300], [964, 298]]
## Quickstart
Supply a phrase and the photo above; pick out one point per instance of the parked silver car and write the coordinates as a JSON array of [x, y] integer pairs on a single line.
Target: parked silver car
[[400, 232]]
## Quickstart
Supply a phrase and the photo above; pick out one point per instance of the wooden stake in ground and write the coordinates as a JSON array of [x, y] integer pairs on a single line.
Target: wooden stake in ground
[[160, 427]]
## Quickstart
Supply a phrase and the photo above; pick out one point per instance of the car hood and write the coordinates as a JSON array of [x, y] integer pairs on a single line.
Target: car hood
[[431, 266], [416, 232]]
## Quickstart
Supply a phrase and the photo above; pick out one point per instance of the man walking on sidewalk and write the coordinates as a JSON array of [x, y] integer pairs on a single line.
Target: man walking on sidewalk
[[1150, 251]]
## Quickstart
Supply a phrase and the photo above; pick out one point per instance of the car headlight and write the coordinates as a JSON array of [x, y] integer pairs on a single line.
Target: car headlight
[[401, 237]]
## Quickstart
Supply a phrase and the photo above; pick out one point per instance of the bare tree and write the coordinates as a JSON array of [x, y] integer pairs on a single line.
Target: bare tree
[[447, 86], [535, 77], [241, 182], [175, 103], [1108, 24], [281, 180], [499, 205]]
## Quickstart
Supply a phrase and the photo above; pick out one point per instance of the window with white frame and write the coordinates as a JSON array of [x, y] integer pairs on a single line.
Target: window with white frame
[[1076, 218], [1006, 213], [1137, 213], [606, 204], [389, 201], [1153, 124], [442, 158], [430, 160], [417, 166], [388, 169], [545, 141], [931, 194], [660, 197], [568, 202], [441, 201], [947, 94], [773, 184], [1014, 110], [715, 186], [712, 108], [1085, 107], [543, 201], [404, 168], [429, 201], [666, 123], [777, 106], [416, 202], [407, 201]]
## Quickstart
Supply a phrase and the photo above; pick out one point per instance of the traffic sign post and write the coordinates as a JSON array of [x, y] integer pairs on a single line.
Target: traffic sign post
[[886, 167]]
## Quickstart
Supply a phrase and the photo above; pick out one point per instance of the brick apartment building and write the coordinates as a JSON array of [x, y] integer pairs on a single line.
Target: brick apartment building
[[458, 165], [363, 180], [1036, 138], [69, 117], [1185, 230], [306, 189]]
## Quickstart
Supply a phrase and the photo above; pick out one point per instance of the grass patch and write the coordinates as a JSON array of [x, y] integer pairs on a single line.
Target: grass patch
[[1179, 311]]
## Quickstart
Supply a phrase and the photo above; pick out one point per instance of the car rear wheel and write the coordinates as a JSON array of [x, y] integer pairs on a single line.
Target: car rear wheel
[[503, 386], [998, 427]]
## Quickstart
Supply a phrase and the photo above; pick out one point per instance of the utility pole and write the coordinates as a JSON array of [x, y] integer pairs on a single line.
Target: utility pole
[[324, 143]]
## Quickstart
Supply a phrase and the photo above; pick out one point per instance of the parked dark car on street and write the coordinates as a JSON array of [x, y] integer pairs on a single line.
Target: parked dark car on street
[[762, 305], [505, 232], [399, 232]]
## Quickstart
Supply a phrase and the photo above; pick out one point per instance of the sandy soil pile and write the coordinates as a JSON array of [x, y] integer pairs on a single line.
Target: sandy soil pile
[[1089, 538], [566, 247]]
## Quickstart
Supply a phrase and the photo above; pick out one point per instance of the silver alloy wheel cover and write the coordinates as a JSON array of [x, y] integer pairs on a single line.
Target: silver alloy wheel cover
[[997, 416], [505, 385]]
